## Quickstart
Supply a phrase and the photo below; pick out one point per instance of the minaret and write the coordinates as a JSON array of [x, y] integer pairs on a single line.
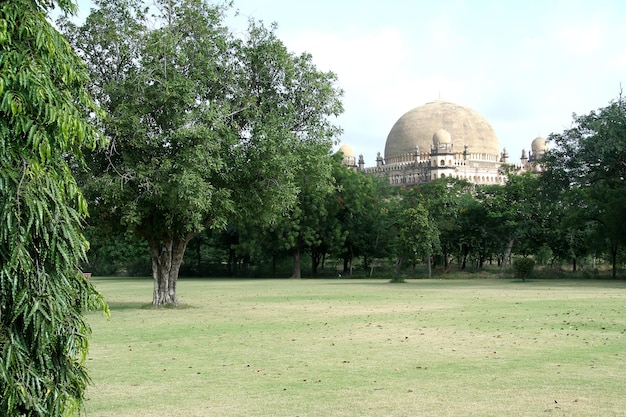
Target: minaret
[[379, 160], [505, 156]]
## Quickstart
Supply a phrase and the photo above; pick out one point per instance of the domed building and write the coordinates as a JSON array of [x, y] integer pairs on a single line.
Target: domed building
[[465, 127], [538, 149], [442, 139], [348, 155]]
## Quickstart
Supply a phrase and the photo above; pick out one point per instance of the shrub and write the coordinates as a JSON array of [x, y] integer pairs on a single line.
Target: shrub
[[523, 267]]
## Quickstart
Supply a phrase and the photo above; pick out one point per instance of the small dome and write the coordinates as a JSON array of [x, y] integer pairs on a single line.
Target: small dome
[[539, 144], [442, 136], [347, 151]]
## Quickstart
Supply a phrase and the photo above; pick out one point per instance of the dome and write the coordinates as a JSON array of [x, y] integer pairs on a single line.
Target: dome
[[441, 136], [347, 151], [538, 145], [464, 126]]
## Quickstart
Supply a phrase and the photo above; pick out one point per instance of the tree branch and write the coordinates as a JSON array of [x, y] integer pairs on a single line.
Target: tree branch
[[19, 185]]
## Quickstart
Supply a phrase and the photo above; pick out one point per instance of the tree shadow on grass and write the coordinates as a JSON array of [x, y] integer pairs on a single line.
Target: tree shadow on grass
[[133, 305], [128, 305]]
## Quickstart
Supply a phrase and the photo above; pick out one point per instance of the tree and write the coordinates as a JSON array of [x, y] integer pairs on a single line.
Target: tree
[[303, 228], [472, 227], [361, 200], [523, 267], [111, 254], [342, 215], [160, 176], [443, 198], [331, 234], [570, 230], [44, 110], [589, 160], [514, 216], [204, 126], [419, 237]]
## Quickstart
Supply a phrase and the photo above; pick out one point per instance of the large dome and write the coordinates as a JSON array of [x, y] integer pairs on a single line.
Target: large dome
[[465, 126]]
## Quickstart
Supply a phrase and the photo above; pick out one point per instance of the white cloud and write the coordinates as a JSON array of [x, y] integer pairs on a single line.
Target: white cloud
[[582, 38], [358, 57]]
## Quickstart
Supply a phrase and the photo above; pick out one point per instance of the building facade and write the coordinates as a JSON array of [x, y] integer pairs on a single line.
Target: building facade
[[442, 139]]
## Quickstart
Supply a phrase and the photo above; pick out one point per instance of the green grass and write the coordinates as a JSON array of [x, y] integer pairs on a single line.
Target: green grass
[[481, 347]]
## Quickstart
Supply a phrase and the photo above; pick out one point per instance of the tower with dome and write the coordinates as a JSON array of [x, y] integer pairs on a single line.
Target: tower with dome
[[442, 139]]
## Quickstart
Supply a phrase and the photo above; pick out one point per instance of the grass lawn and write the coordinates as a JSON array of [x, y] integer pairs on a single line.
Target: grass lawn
[[309, 348]]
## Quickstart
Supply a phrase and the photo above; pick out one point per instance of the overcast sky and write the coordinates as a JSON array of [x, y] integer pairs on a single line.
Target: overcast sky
[[525, 65]]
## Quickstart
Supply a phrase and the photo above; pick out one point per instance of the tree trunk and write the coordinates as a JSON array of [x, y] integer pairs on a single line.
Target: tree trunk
[[297, 255], [430, 267], [614, 261], [398, 267], [316, 258], [167, 257], [465, 253], [347, 261], [231, 261], [507, 254], [199, 256], [351, 260], [273, 264]]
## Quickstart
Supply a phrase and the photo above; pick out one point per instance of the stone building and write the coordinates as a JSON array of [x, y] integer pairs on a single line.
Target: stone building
[[442, 139], [348, 156]]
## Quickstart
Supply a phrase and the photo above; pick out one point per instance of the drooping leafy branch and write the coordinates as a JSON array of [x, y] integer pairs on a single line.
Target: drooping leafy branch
[[44, 110]]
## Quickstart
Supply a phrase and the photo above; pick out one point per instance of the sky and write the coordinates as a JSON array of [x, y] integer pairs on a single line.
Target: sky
[[525, 65]]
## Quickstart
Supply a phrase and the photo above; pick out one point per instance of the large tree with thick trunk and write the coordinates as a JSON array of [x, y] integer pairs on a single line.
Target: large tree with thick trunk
[[204, 125]]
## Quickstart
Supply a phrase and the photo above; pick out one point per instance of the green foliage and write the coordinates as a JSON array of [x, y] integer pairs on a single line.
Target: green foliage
[[310, 226], [44, 105], [116, 255], [444, 199], [501, 220], [523, 267], [247, 124], [587, 170], [418, 237], [363, 216], [340, 213], [206, 127], [543, 254], [474, 229]]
